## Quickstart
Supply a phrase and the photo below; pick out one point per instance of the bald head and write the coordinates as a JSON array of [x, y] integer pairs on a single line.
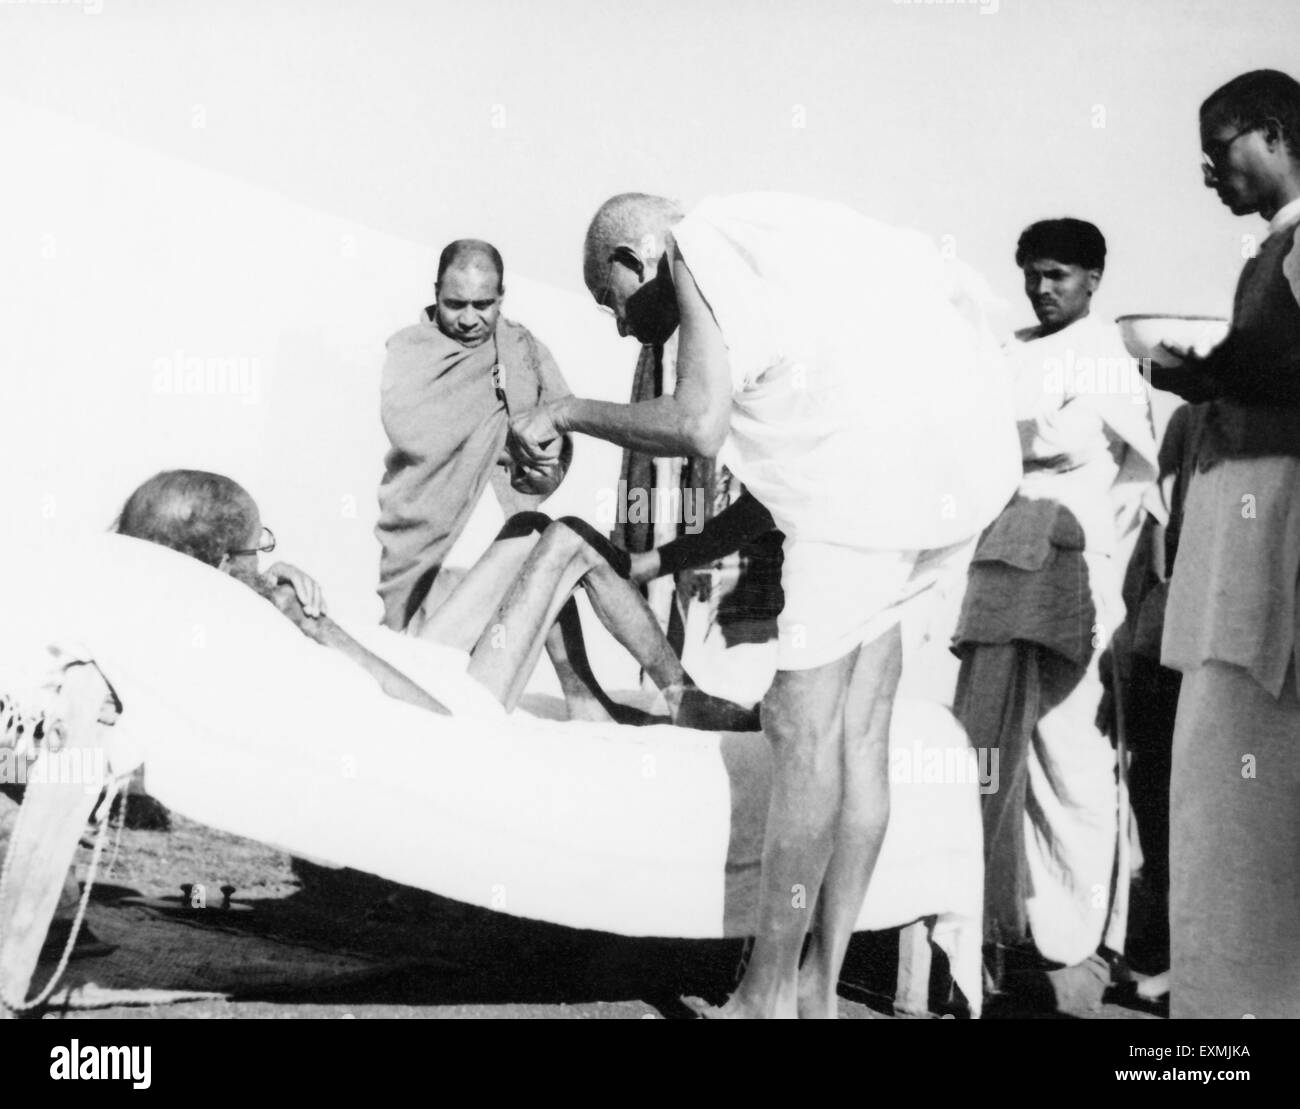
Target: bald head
[[637, 221], [472, 254], [201, 514]]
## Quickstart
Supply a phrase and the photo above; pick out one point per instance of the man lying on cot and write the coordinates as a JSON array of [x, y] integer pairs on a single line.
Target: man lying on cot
[[514, 601]]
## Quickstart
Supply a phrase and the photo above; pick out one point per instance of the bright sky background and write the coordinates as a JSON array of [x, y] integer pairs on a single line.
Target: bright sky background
[[271, 181], [940, 116]]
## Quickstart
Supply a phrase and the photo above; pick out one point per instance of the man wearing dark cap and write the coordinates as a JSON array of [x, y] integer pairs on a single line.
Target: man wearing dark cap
[[1042, 603], [451, 384]]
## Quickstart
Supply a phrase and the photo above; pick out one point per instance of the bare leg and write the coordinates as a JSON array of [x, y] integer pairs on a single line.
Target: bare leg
[[583, 696], [510, 644], [803, 715], [459, 620], [571, 551], [623, 610], [864, 816]]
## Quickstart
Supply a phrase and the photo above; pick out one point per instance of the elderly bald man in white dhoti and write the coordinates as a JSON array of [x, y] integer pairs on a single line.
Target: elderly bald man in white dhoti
[[836, 366]]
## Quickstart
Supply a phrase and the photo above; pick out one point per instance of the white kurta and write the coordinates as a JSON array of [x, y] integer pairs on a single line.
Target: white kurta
[[1083, 411]]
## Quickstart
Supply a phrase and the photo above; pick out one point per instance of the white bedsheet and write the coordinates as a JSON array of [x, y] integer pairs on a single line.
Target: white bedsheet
[[245, 725]]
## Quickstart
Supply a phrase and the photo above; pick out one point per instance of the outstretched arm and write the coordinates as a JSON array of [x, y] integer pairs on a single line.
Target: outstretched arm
[[328, 634], [545, 479], [693, 421]]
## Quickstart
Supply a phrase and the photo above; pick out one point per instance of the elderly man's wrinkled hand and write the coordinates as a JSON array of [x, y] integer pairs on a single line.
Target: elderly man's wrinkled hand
[[286, 601], [304, 586], [534, 438], [285, 598]]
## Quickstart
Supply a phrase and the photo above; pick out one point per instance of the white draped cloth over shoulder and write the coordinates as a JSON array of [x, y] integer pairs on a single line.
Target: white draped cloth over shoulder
[[244, 724], [870, 409]]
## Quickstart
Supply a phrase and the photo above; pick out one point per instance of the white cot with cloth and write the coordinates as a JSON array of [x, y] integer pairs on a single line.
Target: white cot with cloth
[[244, 724]]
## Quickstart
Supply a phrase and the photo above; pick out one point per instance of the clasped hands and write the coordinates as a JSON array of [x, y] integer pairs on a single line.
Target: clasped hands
[[535, 446]]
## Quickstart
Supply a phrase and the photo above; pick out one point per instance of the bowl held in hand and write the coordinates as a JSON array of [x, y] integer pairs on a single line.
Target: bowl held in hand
[[1145, 335]]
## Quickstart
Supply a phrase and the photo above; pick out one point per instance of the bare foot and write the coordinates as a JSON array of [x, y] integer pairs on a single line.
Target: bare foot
[[734, 1009], [701, 710]]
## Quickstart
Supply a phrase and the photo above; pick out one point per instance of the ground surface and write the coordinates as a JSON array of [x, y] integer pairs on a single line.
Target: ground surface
[[326, 943]]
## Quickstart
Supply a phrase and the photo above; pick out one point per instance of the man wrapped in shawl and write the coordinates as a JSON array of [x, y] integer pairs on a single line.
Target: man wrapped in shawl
[[451, 384], [1042, 603]]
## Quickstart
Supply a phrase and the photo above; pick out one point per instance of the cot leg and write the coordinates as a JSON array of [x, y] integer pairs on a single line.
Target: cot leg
[[44, 841], [912, 996]]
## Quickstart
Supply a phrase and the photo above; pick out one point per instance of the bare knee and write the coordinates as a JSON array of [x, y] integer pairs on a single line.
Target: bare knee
[[803, 742], [592, 548], [804, 706], [561, 544]]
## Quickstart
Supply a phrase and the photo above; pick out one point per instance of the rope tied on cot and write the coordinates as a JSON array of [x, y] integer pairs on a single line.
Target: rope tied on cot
[[112, 789]]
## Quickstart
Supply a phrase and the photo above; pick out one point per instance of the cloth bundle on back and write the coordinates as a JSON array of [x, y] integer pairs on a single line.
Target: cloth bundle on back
[[446, 408]]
